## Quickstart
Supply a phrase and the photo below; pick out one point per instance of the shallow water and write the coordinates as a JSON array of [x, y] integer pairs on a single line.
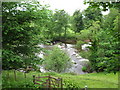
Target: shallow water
[[76, 59]]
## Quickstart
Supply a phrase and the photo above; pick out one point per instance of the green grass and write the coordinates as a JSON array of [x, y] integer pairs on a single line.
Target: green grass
[[93, 80]]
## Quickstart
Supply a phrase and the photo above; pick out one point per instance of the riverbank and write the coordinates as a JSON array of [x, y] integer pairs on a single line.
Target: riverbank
[[91, 80]]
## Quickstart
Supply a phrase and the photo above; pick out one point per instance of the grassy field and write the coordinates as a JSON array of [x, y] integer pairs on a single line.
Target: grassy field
[[93, 80]]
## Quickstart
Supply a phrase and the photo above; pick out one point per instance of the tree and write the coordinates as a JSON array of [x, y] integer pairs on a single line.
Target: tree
[[105, 50], [105, 53], [77, 21], [109, 19], [91, 15], [89, 34], [20, 35], [105, 5], [60, 20]]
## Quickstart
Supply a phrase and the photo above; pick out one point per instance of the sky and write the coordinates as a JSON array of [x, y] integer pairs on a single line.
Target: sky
[[68, 5]]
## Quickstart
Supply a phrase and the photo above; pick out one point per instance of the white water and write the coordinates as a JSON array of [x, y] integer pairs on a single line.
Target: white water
[[78, 61], [84, 46]]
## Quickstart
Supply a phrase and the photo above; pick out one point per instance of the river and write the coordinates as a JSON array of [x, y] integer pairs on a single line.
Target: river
[[77, 61]]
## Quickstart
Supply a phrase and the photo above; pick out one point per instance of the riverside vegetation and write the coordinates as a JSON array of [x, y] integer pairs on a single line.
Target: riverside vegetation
[[27, 24]]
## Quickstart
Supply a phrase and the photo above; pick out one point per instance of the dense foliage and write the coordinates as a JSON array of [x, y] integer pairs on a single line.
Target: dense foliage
[[28, 25], [25, 25], [20, 35], [105, 50], [104, 34], [60, 21], [77, 21], [91, 15], [105, 5]]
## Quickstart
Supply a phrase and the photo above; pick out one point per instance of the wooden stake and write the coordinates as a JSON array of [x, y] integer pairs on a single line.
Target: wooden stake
[[8, 75], [49, 81], [61, 84], [34, 79], [15, 75], [24, 74], [58, 81]]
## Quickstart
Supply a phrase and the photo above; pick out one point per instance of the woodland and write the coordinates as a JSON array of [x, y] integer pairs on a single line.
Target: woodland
[[26, 25]]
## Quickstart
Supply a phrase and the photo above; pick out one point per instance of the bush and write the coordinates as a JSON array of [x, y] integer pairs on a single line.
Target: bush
[[84, 35], [84, 68], [56, 60], [21, 81], [87, 66], [85, 54], [70, 83], [78, 44], [71, 36]]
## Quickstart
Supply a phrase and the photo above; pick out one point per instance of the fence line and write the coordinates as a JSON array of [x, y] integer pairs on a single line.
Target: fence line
[[44, 81], [14, 73], [49, 82]]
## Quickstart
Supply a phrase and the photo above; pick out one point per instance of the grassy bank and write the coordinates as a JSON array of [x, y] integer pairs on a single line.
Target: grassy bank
[[93, 80]]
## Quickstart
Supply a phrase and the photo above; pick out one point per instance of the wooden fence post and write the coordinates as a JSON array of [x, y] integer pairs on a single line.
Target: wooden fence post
[[8, 75], [59, 81], [15, 75], [25, 74], [61, 84], [49, 81], [34, 79]]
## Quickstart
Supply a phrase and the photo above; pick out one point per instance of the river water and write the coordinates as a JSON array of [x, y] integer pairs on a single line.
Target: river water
[[77, 61]]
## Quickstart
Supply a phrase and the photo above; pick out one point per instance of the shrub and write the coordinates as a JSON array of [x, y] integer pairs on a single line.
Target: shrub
[[85, 54], [70, 83], [84, 35], [21, 81], [56, 60], [84, 68], [78, 44], [87, 66]]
